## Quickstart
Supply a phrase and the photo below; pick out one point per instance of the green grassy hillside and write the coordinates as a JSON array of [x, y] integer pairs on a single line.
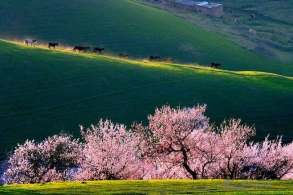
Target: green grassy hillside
[[154, 187], [272, 23], [44, 92], [126, 26]]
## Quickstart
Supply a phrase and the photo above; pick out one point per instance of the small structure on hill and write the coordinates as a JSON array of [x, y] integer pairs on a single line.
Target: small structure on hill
[[204, 7]]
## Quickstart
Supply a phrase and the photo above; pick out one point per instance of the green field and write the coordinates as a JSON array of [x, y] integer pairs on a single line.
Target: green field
[[272, 22], [43, 92], [153, 187], [127, 26]]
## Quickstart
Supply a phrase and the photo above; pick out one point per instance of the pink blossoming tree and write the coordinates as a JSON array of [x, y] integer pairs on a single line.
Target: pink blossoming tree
[[109, 152], [232, 140], [182, 144], [176, 143], [49, 160], [269, 159], [171, 140]]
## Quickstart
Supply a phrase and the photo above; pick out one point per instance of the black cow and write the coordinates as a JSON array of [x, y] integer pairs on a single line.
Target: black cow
[[154, 58], [214, 65], [52, 45], [98, 49], [80, 48]]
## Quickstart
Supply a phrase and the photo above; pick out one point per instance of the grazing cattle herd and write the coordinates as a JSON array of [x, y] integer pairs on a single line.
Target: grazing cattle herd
[[100, 50]]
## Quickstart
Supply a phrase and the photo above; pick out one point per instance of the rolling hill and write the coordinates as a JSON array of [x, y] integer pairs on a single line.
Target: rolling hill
[[271, 22], [46, 91], [127, 26]]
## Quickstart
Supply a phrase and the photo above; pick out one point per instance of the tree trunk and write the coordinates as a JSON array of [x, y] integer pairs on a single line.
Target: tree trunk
[[185, 165]]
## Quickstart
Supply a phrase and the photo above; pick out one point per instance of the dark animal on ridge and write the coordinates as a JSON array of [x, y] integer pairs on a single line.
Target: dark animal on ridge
[[123, 55], [32, 42], [170, 60], [52, 45], [98, 49], [214, 65], [154, 58], [80, 48]]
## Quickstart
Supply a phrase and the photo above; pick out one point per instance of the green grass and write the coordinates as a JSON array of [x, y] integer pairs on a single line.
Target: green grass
[[153, 187], [127, 26], [273, 24], [44, 92]]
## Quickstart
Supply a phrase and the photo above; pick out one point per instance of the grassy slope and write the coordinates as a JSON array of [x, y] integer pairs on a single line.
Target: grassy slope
[[273, 24], [129, 27], [154, 187], [44, 91]]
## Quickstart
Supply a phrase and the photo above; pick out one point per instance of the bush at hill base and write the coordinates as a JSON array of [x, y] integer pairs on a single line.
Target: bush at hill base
[[177, 143]]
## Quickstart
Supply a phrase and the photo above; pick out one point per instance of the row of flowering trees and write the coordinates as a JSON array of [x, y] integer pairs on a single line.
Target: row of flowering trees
[[177, 143]]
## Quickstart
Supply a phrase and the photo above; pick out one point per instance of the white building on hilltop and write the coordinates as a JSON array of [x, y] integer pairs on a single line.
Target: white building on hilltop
[[204, 7]]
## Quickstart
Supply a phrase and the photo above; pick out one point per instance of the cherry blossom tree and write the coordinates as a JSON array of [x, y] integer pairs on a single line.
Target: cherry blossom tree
[[170, 140], [183, 145], [177, 143], [49, 160], [269, 159], [110, 152], [208, 155], [233, 140]]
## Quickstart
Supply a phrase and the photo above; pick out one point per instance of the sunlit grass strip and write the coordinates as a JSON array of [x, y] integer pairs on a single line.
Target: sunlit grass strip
[[143, 62], [155, 187]]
